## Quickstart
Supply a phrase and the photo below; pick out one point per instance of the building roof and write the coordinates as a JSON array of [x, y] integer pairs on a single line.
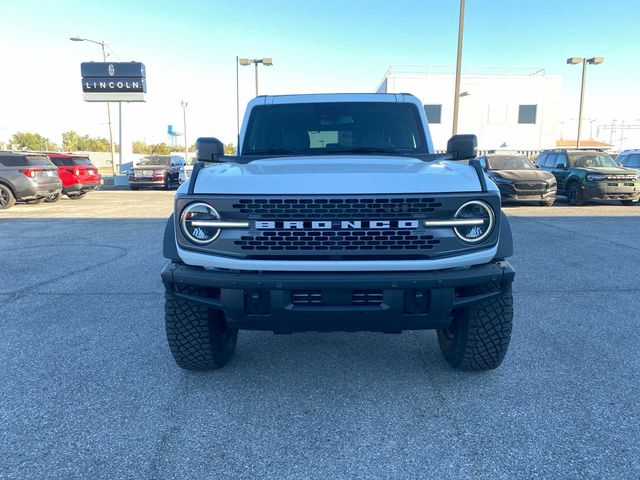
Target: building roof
[[583, 144]]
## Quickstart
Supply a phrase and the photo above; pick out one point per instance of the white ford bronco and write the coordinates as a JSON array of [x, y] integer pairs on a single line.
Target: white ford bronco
[[337, 215]]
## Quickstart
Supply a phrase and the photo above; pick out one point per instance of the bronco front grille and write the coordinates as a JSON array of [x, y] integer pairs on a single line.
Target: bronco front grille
[[343, 208], [337, 240]]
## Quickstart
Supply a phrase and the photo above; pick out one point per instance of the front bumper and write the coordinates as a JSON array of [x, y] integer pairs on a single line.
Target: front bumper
[[393, 301], [511, 194], [146, 182], [602, 191]]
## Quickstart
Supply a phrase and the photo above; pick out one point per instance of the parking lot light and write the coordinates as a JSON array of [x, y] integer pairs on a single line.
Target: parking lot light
[[266, 61], [584, 61]]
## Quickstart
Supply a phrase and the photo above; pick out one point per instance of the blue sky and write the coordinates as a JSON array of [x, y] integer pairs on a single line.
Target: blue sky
[[189, 48]]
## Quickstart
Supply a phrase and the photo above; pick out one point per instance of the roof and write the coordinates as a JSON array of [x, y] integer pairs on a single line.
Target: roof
[[583, 144]]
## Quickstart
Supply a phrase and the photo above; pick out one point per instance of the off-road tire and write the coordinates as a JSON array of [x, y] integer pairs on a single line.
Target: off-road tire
[[479, 335], [54, 198], [630, 203], [199, 337], [7, 200], [574, 194]]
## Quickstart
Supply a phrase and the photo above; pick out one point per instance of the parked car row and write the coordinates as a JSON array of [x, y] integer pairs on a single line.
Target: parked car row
[[580, 175], [36, 177]]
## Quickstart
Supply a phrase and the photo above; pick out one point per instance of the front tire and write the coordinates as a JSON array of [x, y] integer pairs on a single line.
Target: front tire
[[76, 196], [7, 200], [199, 337], [479, 335], [574, 194]]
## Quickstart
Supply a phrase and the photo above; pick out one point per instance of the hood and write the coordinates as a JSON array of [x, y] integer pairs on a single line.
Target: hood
[[341, 174], [525, 175], [606, 170]]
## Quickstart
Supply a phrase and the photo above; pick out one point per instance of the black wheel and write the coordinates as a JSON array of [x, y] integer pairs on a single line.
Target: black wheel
[[37, 201], [478, 336], [630, 203], [574, 194], [76, 196], [199, 337], [7, 200], [54, 198]]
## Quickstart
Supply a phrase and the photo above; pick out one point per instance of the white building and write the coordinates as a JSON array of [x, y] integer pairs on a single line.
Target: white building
[[508, 109]]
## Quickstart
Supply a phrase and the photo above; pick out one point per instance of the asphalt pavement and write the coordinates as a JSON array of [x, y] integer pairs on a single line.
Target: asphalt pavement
[[88, 388]]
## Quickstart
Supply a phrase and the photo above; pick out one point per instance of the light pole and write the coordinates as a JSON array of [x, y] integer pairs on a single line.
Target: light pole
[[267, 62], [104, 59], [184, 119], [456, 95], [584, 61]]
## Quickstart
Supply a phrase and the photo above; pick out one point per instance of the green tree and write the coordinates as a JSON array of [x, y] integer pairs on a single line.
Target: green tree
[[229, 149], [74, 142], [32, 141]]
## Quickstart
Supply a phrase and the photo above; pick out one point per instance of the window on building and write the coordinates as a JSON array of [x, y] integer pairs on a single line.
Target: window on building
[[434, 113], [527, 113]]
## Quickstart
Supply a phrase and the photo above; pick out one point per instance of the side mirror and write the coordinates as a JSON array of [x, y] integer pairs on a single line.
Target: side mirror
[[209, 149], [561, 165], [463, 147]]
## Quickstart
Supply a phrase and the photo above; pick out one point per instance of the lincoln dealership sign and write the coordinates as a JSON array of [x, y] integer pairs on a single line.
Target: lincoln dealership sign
[[113, 82]]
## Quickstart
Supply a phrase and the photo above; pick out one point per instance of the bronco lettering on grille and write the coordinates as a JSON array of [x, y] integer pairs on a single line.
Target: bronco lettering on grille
[[339, 225]]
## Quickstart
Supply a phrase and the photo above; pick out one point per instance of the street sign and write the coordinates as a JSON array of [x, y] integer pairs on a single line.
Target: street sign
[[113, 81]]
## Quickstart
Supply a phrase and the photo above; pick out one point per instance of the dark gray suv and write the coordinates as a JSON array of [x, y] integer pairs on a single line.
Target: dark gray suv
[[29, 177]]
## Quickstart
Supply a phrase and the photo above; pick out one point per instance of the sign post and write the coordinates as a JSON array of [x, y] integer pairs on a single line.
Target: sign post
[[114, 82]]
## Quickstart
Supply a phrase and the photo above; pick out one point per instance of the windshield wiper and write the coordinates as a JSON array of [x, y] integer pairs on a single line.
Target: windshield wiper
[[274, 151], [388, 151]]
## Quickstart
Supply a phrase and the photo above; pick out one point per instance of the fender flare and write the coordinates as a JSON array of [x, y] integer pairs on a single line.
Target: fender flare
[[169, 248], [505, 242]]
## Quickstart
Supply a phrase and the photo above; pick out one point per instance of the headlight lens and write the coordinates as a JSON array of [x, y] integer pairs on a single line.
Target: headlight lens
[[498, 179], [475, 209], [595, 178], [552, 181], [189, 222]]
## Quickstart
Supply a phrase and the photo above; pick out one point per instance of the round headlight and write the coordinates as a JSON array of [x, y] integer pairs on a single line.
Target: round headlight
[[481, 221], [194, 219]]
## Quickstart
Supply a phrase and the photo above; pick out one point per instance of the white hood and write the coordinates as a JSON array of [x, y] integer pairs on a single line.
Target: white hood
[[340, 174]]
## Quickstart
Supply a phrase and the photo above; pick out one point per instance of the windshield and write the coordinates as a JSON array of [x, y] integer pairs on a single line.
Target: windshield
[[155, 160], [330, 128], [588, 160], [509, 162]]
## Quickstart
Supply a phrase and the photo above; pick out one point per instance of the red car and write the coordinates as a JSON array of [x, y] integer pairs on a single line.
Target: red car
[[77, 173]]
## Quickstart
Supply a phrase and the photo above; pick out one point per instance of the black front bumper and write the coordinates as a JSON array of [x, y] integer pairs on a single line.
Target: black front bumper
[[509, 193], [600, 192], [82, 187], [405, 300]]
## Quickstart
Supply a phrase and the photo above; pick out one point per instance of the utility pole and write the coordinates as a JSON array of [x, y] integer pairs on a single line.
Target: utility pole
[[456, 95], [184, 120]]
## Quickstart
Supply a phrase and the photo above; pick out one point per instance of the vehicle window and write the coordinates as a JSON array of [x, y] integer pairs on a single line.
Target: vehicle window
[[541, 159], [509, 162], [23, 161], [70, 161], [550, 161], [633, 160], [483, 162], [329, 128], [587, 160], [560, 159], [155, 160]]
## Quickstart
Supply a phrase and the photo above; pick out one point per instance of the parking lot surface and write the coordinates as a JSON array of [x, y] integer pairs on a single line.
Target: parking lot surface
[[88, 388]]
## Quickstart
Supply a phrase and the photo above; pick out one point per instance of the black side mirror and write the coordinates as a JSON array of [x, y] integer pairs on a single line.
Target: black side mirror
[[209, 149], [561, 165], [463, 147]]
